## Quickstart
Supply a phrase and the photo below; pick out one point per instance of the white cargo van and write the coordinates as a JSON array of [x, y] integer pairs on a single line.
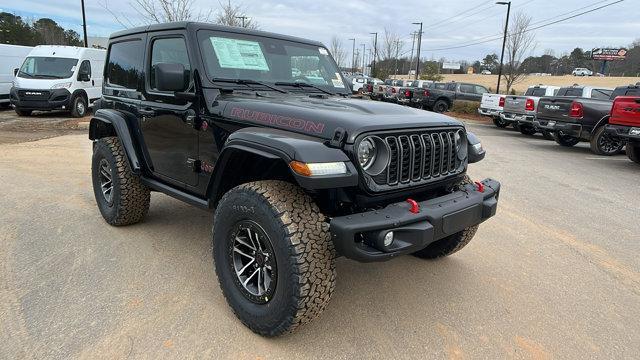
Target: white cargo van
[[11, 57], [58, 78]]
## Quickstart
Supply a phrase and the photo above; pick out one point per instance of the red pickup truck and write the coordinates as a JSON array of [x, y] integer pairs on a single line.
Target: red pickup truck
[[625, 123]]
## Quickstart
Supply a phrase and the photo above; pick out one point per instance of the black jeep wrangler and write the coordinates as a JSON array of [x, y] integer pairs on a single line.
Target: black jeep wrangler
[[261, 128]]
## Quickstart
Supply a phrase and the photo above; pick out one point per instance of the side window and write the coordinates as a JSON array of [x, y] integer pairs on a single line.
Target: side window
[[600, 94], [481, 90], [466, 88], [169, 50], [451, 86], [85, 68], [124, 67]]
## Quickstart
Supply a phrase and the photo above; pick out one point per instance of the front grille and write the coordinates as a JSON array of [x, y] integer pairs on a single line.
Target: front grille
[[33, 94], [420, 157]]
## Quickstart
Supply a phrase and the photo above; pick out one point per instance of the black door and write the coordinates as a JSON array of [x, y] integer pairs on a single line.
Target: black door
[[166, 122]]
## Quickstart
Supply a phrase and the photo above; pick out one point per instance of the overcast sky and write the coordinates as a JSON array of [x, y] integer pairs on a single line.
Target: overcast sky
[[447, 23]]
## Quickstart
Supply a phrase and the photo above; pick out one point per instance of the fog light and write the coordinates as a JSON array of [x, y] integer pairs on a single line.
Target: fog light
[[388, 239]]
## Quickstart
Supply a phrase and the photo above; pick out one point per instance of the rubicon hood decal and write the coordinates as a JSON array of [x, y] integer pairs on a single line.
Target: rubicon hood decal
[[288, 122]]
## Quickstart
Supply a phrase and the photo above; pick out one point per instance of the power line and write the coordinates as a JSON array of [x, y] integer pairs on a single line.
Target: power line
[[483, 3], [495, 37]]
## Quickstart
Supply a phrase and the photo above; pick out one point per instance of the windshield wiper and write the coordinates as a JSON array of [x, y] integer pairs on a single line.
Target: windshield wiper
[[304, 84], [22, 73], [249, 82], [44, 76]]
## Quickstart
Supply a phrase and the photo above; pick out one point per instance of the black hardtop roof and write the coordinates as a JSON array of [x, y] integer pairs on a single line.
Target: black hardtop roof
[[193, 26]]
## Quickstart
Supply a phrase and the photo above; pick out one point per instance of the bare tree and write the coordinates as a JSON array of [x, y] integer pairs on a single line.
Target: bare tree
[[234, 15], [338, 51], [520, 42], [159, 11], [391, 45]]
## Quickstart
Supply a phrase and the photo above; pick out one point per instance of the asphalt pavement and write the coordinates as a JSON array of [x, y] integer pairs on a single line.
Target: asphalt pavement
[[555, 274]]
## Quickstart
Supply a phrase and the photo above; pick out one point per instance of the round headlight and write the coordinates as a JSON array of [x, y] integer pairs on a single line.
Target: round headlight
[[366, 153]]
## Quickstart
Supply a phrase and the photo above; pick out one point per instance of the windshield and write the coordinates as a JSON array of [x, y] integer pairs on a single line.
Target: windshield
[[47, 68], [268, 60]]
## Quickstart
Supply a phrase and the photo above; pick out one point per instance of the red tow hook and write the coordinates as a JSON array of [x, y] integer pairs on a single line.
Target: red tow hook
[[415, 208], [480, 186]]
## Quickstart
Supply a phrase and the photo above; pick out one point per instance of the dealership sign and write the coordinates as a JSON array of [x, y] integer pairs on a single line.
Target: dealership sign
[[608, 54], [451, 66]]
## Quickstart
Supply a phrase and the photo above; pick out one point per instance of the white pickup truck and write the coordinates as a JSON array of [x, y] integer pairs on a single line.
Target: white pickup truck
[[491, 105], [521, 110]]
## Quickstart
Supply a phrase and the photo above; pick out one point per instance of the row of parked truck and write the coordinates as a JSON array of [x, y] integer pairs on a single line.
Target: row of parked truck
[[609, 119], [425, 94]]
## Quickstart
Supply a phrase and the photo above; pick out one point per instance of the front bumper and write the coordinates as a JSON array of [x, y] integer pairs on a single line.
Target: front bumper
[[354, 235], [566, 128], [25, 99], [626, 132]]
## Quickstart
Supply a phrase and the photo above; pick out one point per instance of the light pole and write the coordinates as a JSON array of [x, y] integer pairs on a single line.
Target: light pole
[[418, 50], [84, 25], [243, 19], [353, 56], [364, 51], [375, 53], [504, 41]]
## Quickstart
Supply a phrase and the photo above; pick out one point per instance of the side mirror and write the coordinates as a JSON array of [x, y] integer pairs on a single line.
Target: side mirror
[[15, 71], [169, 76]]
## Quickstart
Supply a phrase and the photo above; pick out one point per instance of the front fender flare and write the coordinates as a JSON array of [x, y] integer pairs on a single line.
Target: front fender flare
[[106, 119]]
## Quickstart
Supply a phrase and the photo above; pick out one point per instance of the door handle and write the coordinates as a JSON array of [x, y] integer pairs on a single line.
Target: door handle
[[147, 112]]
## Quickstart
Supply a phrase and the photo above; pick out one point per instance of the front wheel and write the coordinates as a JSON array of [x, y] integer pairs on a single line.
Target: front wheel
[[273, 255], [605, 144], [499, 122], [565, 140], [633, 152], [78, 107]]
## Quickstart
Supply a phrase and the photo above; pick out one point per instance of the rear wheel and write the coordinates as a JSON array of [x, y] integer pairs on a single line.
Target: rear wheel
[[565, 140], [633, 152], [497, 121], [605, 144], [23, 112], [273, 255], [527, 129], [441, 106]]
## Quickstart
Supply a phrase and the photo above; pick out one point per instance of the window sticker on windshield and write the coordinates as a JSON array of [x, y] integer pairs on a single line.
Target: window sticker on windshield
[[239, 54], [323, 51], [337, 82]]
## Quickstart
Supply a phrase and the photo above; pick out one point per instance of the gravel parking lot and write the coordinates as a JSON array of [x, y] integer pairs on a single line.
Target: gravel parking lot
[[554, 275]]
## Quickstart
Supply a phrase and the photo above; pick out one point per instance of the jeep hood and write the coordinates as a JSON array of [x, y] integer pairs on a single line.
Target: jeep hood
[[320, 117]]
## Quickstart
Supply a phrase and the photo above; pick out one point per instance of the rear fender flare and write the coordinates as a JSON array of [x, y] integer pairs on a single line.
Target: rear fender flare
[[108, 122], [601, 122]]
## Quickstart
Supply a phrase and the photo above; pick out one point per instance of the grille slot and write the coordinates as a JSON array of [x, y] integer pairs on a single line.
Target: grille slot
[[420, 157]]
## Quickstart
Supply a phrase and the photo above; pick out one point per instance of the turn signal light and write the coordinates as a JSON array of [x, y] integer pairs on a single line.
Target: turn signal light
[[318, 169], [501, 103], [577, 111]]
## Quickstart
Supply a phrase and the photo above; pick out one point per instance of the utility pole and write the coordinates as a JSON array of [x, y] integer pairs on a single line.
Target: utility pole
[[504, 41], [364, 52], [243, 17], [413, 43], [353, 56], [418, 51], [84, 25], [375, 53]]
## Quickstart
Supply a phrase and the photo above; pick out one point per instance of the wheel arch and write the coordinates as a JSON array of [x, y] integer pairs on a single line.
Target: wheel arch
[[603, 121], [254, 154], [82, 93], [107, 122]]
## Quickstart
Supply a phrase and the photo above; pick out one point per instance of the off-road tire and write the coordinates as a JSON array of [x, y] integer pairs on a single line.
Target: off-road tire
[[441, 106], [130, 197], [633, 152], [565, 140], [304, 254], [598, 140], [497, 121], [23, 112], [527, 130], [452, 243], [78, 106]]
